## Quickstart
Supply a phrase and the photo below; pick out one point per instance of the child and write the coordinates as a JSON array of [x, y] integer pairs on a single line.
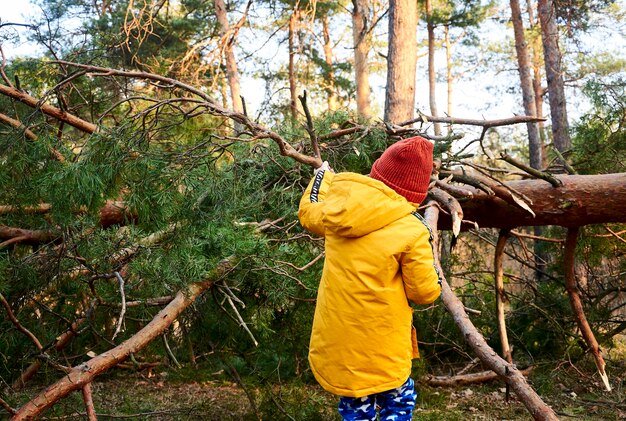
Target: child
[[378, 258]]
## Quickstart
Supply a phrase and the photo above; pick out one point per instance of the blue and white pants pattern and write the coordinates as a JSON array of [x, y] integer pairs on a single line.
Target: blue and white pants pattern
[[395, 405]]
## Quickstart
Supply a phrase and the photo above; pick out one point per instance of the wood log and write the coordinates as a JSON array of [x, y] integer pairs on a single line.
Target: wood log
[[581, 200]]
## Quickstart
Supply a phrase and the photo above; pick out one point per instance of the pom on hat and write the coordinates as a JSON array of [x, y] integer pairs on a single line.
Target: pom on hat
[[406, 167]]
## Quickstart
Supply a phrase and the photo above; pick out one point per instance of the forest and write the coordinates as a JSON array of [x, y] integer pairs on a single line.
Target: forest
[[153, 154]]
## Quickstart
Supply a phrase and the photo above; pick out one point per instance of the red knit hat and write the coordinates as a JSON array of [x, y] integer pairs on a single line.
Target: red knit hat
[[406, 167]]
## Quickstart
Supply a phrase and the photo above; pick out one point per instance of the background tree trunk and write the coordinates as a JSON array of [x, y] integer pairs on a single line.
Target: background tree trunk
[[554, 75], [232, 73], [432, 72], [526, 83], [328, 57], [360, 14], [401, 61], [293, 104]]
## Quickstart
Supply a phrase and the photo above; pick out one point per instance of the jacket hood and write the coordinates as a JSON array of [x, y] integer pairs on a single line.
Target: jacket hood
[[356, 205]]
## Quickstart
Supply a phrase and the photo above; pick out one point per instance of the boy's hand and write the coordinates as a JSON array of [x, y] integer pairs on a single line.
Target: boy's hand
[[324, 167]]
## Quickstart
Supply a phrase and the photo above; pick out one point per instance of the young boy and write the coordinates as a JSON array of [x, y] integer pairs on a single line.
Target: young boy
[[378, 258]]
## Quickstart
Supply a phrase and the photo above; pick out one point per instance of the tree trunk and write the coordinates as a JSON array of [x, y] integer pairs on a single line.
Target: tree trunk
[[331, 89], [231, 63], [360, 14], [554, 75], [432, 73], [401, 61], [526, 82], [506, 371], [536, 53], [229, 56], [449, 77], [293, 104], [581, 200]]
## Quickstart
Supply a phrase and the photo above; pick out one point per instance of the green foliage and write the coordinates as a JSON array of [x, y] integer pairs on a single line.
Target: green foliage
[[600, 136]]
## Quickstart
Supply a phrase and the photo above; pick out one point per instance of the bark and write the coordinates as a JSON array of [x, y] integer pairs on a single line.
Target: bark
[[581, 200], [232, 72], [84, 373], [569, 260], [360, 37], [464, 379], [500, 294], [432, 73], [506, 371], [526, 83], [401, 61], [331, 89], [554, 75]]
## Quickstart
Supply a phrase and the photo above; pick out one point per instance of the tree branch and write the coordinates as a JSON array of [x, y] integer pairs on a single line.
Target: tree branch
[[538, 409], [569, 261]]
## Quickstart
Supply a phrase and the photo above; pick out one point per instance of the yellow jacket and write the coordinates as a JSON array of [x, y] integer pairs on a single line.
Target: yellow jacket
[[378, 255]]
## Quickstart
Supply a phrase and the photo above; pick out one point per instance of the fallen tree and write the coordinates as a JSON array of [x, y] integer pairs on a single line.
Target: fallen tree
[[485, 202]]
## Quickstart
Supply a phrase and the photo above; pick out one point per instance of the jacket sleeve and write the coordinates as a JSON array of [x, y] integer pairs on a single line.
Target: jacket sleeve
[[422, 282], [312, 202]]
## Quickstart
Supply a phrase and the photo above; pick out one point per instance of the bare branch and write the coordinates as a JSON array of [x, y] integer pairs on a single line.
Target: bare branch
[[569, 261], [120, 319]]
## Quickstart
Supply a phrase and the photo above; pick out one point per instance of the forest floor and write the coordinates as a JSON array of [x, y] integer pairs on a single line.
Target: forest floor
[[163, 395]]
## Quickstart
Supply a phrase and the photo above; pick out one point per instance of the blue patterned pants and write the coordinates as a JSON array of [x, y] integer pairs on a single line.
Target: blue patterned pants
[[395, 405]]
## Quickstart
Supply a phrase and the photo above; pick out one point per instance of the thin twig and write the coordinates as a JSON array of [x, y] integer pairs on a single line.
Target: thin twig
[[169, 350], [17, 324], [118, 328]]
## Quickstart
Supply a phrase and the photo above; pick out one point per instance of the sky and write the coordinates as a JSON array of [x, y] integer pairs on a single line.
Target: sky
[[17, 11]]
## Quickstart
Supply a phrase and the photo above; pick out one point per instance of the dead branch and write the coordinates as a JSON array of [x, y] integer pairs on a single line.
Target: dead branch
[[57, 113], [451, 205], [259, 132], [28, 236], [532, 171], [464, 121], [538, 409], [7, 407], [87, 371], [17, 323], [87, 397], [18, 125], [569, 261], [59, 343], [120, 319], [309, 126], [500, 294], [465, 379]]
